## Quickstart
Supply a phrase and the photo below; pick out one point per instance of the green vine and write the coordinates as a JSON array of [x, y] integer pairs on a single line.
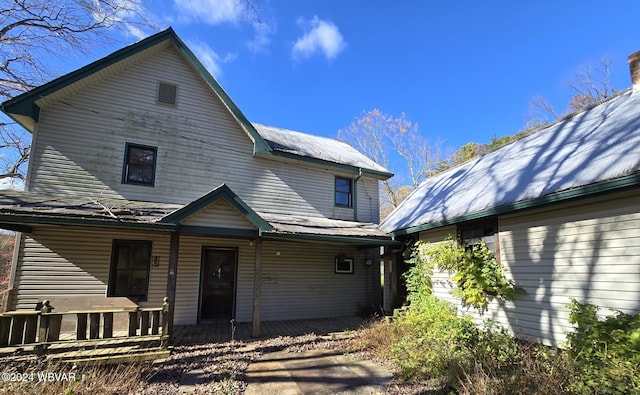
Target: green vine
[[477, 276]]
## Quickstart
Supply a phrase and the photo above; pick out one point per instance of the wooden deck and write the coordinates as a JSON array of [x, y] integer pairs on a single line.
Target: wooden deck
[[223, 331]]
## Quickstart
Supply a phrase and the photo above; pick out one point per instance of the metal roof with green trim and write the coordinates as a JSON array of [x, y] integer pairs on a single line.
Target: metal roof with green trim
[[592, 152]]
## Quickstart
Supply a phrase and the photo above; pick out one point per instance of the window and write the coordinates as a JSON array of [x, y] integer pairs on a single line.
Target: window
[[130, 263], [472, 233], [344, 192], [344, 265], [139, 165]]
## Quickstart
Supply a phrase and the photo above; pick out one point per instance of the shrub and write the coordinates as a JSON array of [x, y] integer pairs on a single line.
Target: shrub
[[429, 348], [606, 351]]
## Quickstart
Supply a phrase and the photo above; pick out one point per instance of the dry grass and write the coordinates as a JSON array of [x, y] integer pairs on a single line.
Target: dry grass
[[536, 374], [39, 378]]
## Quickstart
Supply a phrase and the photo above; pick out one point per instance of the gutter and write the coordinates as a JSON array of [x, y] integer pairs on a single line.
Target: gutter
[[355, 195]]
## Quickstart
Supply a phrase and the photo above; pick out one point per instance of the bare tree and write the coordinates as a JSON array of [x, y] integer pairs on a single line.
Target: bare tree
[[396, 144], [33, 33], [590, 84]]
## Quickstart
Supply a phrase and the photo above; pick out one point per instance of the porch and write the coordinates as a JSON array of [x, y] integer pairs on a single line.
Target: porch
[[123, 347]]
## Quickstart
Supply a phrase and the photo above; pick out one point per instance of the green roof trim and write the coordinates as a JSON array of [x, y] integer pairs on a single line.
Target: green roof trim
[[24, 104], [29, 219], [259, 145], [221, 192], [329, 238], [341, 166], [618, 184]]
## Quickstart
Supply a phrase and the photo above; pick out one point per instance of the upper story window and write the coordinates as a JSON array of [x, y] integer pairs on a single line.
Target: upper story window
[[472, 233], [130, 265], [139, 164], [344, 192], [167, 93]]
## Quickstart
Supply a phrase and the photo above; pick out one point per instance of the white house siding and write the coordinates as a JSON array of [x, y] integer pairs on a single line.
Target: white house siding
[[301, 282], [587, 250], [368, 200], [200, 146], [75, 262], [188, 274], [298, 283], [220, 214], [440, 280]]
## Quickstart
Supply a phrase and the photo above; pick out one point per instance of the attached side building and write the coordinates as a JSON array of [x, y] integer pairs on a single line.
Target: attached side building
[[560, 209]]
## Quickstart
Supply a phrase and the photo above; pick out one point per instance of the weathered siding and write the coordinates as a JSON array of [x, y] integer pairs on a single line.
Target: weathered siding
[[301, 282], [298, 283], [75, 263], [439, 279], [587, 250], [221, 215], [200, 146], [368, 200]]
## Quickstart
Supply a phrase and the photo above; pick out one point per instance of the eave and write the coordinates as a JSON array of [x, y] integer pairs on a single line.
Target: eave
[[338, 166], [591, 190]]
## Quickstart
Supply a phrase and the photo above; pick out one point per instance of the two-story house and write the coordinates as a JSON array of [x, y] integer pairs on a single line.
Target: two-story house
[[146, 180]]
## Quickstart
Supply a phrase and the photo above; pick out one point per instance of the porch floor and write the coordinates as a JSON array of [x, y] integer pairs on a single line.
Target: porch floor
[[121, 348], [223, 331]]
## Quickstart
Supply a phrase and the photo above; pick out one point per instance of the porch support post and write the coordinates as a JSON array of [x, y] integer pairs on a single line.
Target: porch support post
[[389, 290], [171, 281], [257, 285]]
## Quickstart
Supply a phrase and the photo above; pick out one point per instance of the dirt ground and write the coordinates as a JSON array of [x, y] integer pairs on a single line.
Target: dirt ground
[[221, 368]]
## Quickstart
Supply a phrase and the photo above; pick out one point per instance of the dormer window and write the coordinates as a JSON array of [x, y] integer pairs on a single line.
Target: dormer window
[[167, 93], [139, 164], [344, 192]]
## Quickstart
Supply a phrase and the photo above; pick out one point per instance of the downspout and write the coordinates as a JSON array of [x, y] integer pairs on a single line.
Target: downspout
[[355, 195]]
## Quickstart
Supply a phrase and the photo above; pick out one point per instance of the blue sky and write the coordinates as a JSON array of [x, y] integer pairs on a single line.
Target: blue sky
[[464, 71]]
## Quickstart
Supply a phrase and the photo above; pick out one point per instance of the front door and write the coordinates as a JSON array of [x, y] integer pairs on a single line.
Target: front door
[[218, 283]]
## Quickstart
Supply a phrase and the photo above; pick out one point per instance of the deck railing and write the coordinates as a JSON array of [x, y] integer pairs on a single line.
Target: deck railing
[[43, 327], [5, 296]]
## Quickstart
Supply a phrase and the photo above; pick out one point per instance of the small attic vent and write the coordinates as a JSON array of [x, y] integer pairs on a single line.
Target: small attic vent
[[167, 93]]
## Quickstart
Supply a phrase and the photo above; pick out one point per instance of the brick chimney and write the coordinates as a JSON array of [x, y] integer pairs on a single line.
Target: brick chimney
[[634, 70]]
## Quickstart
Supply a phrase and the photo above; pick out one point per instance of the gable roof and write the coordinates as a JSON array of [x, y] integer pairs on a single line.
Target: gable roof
[[221, 192], [24, 109], [591, 152]]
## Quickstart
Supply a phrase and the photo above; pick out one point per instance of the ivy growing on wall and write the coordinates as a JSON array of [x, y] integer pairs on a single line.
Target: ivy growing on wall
[[477, 276]]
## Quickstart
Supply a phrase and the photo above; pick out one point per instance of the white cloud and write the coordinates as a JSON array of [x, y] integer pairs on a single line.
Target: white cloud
[[320, 37], [209, 58], [262, 38], [122, 12], [211, 12]]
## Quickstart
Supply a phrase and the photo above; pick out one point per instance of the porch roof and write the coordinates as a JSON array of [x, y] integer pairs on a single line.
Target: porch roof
[[20, 211]]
